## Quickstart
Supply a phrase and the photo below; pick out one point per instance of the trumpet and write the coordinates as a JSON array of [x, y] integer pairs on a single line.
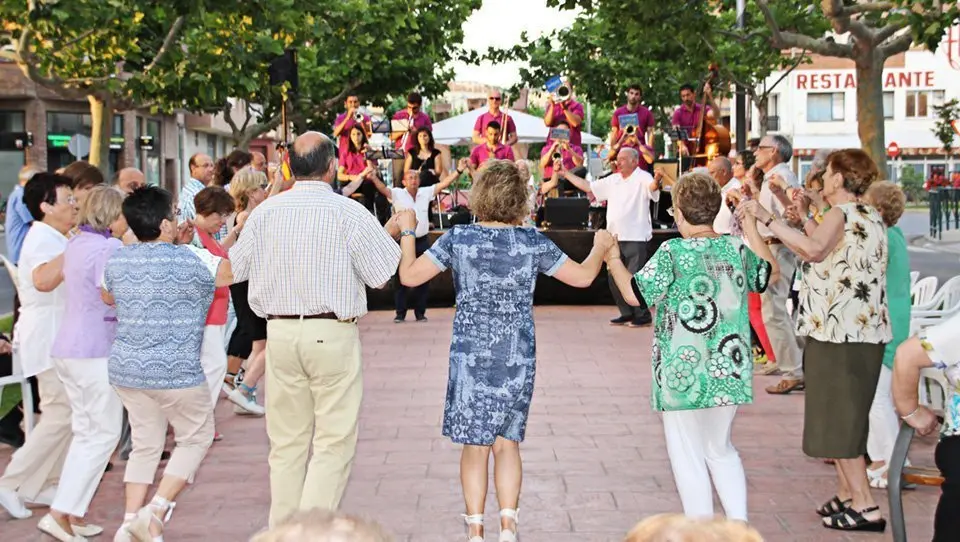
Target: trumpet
[[358, 116], [630, 129], [557, 156], [564, 93]]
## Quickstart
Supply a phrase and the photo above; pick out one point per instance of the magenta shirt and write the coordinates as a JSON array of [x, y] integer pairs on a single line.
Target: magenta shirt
[[481, 153], [485, 119], [353, 162], [343, 141], [646, 122], [688, 120], [420, 120], [89, 325], [575, 108], [568, 162]]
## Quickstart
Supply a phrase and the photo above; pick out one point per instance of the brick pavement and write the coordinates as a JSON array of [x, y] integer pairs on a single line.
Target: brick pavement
[[595, 461]]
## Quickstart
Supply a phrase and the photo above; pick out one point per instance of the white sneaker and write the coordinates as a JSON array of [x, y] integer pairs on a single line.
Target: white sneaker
[[13, 504], [248, 405]]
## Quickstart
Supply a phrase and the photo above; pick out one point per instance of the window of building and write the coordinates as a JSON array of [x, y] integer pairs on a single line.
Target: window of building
[[152, 172], [825, 106], [920, 103], [12, 121], [888, 105], [10, 160], [212, 146]]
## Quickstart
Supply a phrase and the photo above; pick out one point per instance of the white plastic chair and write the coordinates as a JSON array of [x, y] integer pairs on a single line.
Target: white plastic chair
[[923, 291], [26, 391], [946, 297], [914, 277]]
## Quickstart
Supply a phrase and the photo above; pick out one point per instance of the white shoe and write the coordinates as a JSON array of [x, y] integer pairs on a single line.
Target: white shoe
[[11, 502], [123, 533], [247, 405], [475, 519], [87, 530], [50, 526], [45, 497], [508, 535]]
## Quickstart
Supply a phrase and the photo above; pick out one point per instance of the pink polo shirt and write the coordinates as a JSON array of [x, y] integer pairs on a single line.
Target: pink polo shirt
[[481, 154], [486, 118], [573, 107], [420, 120], [353, 162], [343, 140], [568, 162]]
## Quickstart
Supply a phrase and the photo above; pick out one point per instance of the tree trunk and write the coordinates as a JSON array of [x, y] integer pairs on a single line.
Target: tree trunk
[[101, 118], [241, 140], [870, 108], [763, 113]]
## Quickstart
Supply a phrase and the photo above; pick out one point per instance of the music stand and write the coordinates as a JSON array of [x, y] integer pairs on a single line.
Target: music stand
[[381, 126]]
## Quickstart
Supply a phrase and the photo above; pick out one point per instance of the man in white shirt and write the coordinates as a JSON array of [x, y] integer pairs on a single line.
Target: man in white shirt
[[773, 158], [412, 196], [721, 170], [628, 195], [35, 468]]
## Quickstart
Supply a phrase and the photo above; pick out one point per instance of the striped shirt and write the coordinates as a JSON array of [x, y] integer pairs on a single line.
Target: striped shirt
[[311, 251], [188, 210]]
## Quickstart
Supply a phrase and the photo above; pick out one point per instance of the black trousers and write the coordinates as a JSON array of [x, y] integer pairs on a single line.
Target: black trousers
[[634, 256], [418, 294], [946, 521]]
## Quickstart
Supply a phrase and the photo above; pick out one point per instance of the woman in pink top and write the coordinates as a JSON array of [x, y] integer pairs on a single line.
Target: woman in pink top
[[214, 206], [80, 353]]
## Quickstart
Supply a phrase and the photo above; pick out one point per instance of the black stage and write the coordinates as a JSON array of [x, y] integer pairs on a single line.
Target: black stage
[[577, 245]]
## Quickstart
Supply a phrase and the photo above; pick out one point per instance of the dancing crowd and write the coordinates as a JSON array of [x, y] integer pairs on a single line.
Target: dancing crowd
[[127, 292]]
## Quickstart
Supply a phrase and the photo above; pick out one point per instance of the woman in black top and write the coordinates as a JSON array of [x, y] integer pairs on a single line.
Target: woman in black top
[[425, 158]]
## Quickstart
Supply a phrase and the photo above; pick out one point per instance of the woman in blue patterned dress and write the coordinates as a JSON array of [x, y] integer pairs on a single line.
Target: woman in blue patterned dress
[[495, 265]]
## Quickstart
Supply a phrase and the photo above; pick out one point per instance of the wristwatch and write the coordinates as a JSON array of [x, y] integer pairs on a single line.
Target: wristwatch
[[405, 233], [768, 221]]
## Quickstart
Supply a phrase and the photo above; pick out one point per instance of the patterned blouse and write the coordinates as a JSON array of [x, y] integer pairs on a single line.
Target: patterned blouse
[[844, 297], [701, 348], [942, 345]]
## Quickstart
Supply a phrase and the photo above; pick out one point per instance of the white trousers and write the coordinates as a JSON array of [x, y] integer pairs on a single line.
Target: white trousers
[[699, 446], [213, 359], [884, 423], [97, 420]]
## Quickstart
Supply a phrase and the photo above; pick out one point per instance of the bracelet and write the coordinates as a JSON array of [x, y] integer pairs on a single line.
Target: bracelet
[[405, 233], [768, 221], [908, 416]]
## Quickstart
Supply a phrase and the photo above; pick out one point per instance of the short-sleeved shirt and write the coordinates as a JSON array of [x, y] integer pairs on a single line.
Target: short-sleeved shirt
[[898, 292], [769, 200], [163, 293], [701, 350], [487, 117], [628, 204], [420, 120], [481, 154], [353, 162], [942, 345], [89, 325], [17, 223], [343, 140], [421, 205], [567, 155], [575, 108], [188, 209], [688, 120], [723, 223], [645, 119], [40, 312]]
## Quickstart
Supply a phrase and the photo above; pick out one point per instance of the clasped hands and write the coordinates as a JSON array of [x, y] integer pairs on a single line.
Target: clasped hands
[[607, 243], [401, 221]]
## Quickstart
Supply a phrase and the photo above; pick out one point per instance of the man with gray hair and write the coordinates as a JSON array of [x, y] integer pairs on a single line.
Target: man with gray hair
[[721, 170], [309, 254], [628, 194], [129, 179], [773, 158]]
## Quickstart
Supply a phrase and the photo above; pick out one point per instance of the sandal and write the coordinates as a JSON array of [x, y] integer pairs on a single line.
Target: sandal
[[474, 519], [139, 528], [834, 506], [508, 535], [853, 520]]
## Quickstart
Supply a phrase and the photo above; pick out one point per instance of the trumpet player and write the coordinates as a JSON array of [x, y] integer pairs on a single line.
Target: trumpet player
[[558, 152], [634, 136], [405, 140], [347, 120], [508, 132], [491, 149], [567, 110]]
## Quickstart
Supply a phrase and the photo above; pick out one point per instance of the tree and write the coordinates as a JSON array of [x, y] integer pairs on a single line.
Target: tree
[[868, 32], [947, 115]]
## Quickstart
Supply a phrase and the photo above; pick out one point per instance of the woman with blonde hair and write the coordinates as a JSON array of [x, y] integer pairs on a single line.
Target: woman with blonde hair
[[80, 353], [843, 314], [496, 262], [320, 525]]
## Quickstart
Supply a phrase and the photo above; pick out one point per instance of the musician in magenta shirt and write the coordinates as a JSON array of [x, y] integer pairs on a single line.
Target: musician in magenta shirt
[[347, 120], [569, 112], [642, 138], [356, 171], [416, 119], [688, 115], [492, 148], [493, 113], [572, 156]]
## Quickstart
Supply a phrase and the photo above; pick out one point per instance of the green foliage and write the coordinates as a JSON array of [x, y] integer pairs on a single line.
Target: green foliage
[[943, 129], [912, 181]]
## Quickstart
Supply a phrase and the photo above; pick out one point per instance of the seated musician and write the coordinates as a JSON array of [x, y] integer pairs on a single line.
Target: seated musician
[[688, 116], [571, 159], [491, 149], [424, 158], [356, 171]]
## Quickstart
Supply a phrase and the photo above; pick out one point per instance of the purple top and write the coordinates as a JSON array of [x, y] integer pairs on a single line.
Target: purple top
[[89, 325], [343, 140], [575, 108], [646, 122], [481, 154], [420, 120], [485, 119]]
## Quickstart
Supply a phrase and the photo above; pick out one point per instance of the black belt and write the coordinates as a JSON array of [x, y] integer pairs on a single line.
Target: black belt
[[324, 316]]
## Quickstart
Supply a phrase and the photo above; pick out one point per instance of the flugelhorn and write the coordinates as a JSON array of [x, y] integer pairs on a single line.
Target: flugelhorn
[[358, 116], [564, 92], [630, 129]]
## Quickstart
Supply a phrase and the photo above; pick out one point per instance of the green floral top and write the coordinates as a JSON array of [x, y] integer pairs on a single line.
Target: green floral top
[[701, 348]]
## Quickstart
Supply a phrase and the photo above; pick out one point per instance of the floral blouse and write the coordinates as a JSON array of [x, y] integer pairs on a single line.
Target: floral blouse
[[701, 348], [844, 297], [942, 345]]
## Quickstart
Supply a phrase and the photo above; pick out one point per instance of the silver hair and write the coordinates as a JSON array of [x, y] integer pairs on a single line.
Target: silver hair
[[632, 151], [784, 147], [820, 160], [725, 164]]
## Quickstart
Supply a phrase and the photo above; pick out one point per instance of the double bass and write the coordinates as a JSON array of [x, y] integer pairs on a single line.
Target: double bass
[[713, 138]]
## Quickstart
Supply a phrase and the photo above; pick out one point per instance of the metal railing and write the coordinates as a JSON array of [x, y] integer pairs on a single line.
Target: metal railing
[[944, 207]]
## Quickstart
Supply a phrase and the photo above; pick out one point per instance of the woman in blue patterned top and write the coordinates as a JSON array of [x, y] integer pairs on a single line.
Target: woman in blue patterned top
[[162, 292], [493, 351]]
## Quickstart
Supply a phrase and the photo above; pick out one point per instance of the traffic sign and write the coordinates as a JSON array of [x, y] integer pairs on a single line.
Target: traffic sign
[[893, 150]]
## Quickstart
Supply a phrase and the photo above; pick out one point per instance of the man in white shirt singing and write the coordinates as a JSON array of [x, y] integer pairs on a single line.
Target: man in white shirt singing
[[628, 195]]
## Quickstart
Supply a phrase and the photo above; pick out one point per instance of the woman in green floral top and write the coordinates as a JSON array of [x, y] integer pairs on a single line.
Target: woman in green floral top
[[702, 362]]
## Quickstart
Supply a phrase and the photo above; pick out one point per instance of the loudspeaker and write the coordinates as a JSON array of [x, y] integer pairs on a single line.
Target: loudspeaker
[[284, 68], [568, 213]]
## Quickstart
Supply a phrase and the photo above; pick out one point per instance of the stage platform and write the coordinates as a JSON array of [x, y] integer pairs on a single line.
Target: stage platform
[[576, 243]]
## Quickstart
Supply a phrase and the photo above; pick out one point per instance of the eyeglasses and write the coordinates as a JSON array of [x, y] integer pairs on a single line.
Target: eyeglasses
[[495, 98], [71, 200], [765, 147]]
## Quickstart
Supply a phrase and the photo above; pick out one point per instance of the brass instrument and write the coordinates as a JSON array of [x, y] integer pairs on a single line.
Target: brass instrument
[[557, 156], [564, 93], [503, 128], [358, 116], [630, 129]]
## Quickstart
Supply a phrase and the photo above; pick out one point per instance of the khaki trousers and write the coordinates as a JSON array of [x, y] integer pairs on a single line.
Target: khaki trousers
[[37, 465], [314, 388], [187, 410], [779, 323]]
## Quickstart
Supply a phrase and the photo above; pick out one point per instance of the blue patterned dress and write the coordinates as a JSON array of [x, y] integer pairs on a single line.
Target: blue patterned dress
[[493, 350]]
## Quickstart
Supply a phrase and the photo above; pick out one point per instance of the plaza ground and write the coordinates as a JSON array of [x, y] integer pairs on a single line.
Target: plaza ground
[[595, 461]]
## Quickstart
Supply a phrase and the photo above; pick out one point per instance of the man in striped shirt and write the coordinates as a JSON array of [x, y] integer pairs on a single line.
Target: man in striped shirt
[[201, 176], [309, 255]]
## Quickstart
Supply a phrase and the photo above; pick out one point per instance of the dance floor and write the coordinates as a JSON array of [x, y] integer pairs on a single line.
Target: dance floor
[[595, 461]]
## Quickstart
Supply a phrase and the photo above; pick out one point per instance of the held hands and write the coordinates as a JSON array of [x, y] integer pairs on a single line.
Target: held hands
[[753, 210], [407, 219], [613, 253], [793, 216], [603, 241]]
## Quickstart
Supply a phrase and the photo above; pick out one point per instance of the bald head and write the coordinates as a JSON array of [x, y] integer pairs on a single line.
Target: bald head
[[721, 170], [313, 156], [259, 161], [129, 179]]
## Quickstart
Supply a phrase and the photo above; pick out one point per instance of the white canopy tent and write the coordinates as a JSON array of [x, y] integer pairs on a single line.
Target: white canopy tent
[[459, 130]]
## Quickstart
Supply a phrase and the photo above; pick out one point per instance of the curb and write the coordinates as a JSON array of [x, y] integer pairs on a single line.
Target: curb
[[926, 242]]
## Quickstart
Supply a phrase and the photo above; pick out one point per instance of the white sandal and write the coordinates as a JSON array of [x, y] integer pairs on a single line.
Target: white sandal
[[139, 528], [508, 535], [475, 519]]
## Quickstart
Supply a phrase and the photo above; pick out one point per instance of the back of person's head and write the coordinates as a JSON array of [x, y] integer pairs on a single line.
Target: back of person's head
[[42, 188], [697, 196], [319, 525], [500, 194], [83, 174], [103, 206], [224, 167], [679, 528], [311, 155], [213, 199], [888, 199], [856, 167], [145, 210]]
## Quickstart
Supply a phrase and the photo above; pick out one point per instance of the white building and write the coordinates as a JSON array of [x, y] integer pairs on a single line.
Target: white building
[[815, 106]]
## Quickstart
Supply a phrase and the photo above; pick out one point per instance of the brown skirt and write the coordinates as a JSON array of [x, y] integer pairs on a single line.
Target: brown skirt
[[841, 380]]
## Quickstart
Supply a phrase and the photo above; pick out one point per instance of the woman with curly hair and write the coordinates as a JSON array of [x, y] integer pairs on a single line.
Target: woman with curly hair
[[495, 265], [702, 367]]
